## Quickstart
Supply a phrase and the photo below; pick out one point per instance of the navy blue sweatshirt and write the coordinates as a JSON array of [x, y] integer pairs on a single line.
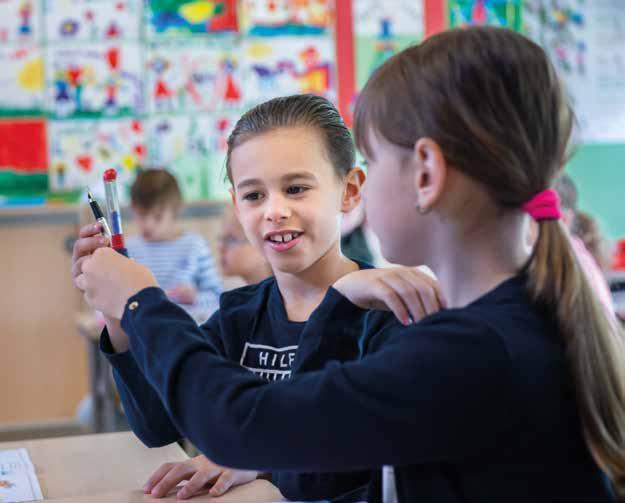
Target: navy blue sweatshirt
[[251, 328], [471, 404]]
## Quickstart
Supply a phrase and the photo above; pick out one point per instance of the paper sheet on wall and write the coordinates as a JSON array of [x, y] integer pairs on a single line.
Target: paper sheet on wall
[[585, 41], [19, 21], [18, 481], [91, 20]]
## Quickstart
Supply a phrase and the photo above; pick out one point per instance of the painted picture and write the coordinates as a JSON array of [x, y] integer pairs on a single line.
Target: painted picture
[[81, 150], [21, 81], [193, 76], [94, 81], [381, 29], [183, 17], [194, 148], [19, 21], [23, 161], [506, 13], [287, 17], [289, 65], [92, 20]]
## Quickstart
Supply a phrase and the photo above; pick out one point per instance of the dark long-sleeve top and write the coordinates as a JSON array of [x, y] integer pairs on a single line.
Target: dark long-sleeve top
[[252, 329], [470, 404]]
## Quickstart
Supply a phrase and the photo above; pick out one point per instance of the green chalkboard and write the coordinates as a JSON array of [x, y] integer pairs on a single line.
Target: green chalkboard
[[599, 172]]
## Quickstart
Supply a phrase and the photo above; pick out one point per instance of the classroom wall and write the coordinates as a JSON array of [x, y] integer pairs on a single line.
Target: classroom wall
[[599, 172]]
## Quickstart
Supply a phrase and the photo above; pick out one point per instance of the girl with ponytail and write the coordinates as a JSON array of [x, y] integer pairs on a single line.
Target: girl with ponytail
[[513, 393]]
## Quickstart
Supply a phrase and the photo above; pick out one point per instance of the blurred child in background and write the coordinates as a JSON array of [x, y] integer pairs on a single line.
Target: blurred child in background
[[181, 261], [239, 257]]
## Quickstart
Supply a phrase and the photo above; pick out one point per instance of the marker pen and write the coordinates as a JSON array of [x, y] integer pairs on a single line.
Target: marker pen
[[97, 213], [114, 212]]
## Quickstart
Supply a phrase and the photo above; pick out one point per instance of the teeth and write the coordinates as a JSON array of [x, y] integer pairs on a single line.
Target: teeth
[[277, 238], [287, 238]]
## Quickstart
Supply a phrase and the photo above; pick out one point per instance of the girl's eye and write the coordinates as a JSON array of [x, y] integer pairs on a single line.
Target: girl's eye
[[252, 196], [296, 189]]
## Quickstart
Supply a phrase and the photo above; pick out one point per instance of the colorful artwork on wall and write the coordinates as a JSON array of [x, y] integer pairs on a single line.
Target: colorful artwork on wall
[[193, 76], [287, 17], [193, 147], [289, 65], [91, 20], [81, 150], [23, 159], [507, 13], [94, 81], [195, 17], [19, 21], [21, 80]]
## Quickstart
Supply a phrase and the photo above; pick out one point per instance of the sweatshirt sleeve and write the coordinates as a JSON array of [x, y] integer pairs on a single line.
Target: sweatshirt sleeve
[[432, 391], [147, 416]]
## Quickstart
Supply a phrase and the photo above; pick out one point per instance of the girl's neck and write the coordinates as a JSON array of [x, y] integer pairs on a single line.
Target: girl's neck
[[472, 260], [303, 292]]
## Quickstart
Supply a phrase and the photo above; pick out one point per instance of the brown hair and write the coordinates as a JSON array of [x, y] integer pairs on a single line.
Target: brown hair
[[492, 101], [586, 228], [153, 188], [293, 111]]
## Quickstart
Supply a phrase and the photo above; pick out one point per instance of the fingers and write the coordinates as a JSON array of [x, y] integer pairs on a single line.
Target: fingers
[[89, 230], [199, 481], [223, 483], [156, 477], [87, 245], [434, 284], [179, 472], [230, 478], [80, 282], [407, 302], [387, 294]]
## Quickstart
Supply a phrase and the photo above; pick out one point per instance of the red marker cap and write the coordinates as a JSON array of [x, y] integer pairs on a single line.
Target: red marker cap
[[110, 175]]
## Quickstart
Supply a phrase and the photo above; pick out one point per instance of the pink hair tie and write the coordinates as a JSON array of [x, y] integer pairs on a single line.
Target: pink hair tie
[[543, 206]]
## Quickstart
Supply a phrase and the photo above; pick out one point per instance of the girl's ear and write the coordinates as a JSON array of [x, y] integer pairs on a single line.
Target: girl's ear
[[352, 193], [430, 173]]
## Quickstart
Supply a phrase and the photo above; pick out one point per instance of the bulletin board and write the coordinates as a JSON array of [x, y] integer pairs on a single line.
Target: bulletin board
[[90, 85], [93, 84]]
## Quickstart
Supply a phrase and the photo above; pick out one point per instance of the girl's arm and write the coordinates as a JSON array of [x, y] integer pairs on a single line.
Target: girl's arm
[[399, 405], [146, 414]]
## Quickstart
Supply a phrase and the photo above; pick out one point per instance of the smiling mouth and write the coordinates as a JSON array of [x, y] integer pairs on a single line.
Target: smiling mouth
[[283, 241]]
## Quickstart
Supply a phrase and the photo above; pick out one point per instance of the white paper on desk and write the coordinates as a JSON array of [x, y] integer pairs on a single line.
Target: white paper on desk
[[18, 481]]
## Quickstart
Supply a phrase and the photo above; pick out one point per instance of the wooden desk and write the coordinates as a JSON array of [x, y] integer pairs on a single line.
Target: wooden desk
[[259, 491], [113, 467]]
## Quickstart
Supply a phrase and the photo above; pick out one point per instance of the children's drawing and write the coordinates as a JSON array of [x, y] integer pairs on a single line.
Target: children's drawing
[[21, 80], [287, 17], [19, 21], [23, 160], [194, 148], [81, 150], [381, 29], [91, 20], [289, 65], [505, 13], [185, 77], [94, 80], [184, 17], [560, 27]]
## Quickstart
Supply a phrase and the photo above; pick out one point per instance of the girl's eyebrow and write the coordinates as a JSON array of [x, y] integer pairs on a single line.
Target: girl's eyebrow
[[289, 177], [249, 182], [305, 175]]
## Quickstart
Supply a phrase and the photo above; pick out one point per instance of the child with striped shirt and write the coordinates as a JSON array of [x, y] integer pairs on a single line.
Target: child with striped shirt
[[181, 261]]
